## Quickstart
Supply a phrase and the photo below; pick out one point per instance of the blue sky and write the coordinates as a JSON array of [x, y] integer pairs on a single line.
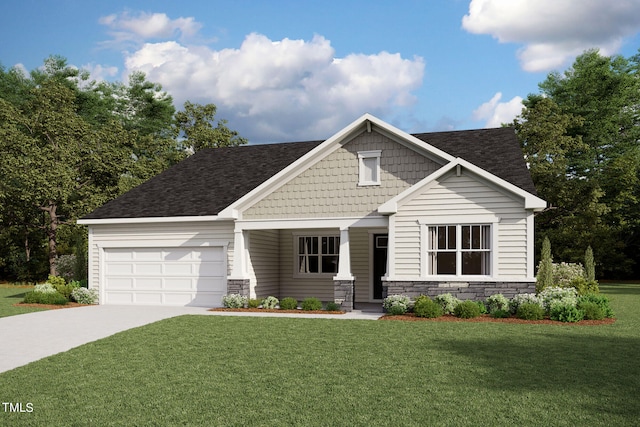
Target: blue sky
[[298, 70]]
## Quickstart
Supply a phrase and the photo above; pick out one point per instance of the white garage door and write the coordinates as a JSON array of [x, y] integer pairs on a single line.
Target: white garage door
[[165, 276]]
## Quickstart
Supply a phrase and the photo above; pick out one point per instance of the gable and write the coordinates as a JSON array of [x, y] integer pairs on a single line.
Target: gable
[[330, 187]]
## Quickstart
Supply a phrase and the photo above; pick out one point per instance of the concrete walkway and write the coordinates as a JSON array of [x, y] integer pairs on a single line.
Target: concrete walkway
[[29, 337]]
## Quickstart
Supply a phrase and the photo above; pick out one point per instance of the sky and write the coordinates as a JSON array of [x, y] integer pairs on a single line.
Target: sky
[[287, 70]]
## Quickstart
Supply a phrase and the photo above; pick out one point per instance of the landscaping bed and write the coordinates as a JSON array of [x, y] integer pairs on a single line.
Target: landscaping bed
[[411, 317], [52, 306], [276, 310]]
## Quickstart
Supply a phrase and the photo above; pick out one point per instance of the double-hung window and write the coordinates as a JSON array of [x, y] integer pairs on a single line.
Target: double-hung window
[[460, 250], [318, 254]]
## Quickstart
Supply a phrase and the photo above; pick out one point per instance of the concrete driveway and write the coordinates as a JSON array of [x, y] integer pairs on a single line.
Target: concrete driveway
[[29, 337]]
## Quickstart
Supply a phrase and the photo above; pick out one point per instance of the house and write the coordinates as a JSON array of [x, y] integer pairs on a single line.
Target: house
[[368, 212]]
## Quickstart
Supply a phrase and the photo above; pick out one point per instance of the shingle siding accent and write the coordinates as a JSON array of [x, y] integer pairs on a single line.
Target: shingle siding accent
[[462, 196], [330, 187]]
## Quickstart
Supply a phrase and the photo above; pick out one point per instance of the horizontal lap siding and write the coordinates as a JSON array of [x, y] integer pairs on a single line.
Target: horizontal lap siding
[[264, 248], [462, 196], [158, 235], [360, 269]]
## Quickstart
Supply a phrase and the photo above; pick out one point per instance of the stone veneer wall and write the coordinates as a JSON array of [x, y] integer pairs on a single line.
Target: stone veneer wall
[[343, 293], [460, 290], [235, 286]]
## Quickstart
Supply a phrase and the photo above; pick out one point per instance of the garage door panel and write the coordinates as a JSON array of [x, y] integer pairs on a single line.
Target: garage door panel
[[165, 276]]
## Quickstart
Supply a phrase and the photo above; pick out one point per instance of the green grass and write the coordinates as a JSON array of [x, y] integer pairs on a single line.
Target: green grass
[[201, 370], [10, 295]]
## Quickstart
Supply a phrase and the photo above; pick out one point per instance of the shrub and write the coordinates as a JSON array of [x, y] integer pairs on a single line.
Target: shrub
[[565, 272], [544, 277], [519, 299], [66, 266], [565, 312], [45, 288], [448, 302], [56, 281], [396, 304], [501, 314], [427, 308], [497, 302], [556, 295], [270, 302], [84, 295], [601, 300], [589, 265], [482, 306], [467, 310], [530, 311], [234, 301], [254, 303], [45, 298], [311, 304], [592, 311], [332, 306], [584, 286], [288, 303], [66, 290]]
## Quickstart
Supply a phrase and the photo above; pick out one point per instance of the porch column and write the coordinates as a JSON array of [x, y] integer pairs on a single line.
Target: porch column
[[343, 282], [238, 282]]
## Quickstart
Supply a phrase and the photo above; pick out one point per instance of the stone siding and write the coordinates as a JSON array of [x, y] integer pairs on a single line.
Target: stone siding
[[460, 290], [343, 293], [241, 286]]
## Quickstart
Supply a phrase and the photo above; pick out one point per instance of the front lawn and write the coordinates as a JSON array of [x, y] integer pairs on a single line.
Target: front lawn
[[214, 370], [10, 295]]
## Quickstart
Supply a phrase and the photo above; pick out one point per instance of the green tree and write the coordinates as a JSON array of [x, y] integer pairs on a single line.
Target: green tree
[[544, 278], [196, 125], [589, 265]]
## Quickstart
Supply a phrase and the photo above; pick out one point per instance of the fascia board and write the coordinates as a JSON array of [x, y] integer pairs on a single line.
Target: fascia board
[[149, 220]]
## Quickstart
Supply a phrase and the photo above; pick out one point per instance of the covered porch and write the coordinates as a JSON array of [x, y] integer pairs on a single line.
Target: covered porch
[[339, 260]]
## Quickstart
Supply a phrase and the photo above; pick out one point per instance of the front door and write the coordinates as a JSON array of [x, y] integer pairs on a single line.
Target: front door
[[380, 242]]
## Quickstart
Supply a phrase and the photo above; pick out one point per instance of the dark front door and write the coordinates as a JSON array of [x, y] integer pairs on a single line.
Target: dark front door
[[379, 262]]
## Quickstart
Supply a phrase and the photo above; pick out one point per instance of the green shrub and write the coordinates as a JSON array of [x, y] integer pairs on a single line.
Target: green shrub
[[565, 312], [482, 306], [67, 289], [501, 314], [288, 303], [601, 300], [56, 280], [448, 302], [519, 299], [332, 306], [396, 304], [427, 308], [467, 310], [234, 301], [311, 304], [66, 266], [557, 295], [270, 302], [584, 286], [530, 311], [254, 303], [497, 302], [45, 298], [84, 295], [592, 311]]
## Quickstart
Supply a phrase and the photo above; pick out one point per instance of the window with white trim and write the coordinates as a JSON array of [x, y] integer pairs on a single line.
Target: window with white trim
[[318, 254], [460, 250], [369, 167]]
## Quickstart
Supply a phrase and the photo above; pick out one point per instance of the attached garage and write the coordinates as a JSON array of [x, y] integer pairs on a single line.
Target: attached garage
[[176, 276]]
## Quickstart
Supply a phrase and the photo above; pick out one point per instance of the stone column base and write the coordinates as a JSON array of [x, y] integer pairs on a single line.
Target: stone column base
[[238, 286], [343, 294]]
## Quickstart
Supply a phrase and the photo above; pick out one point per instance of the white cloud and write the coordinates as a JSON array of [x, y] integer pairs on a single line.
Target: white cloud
[[281, 90], [554, 32], [495, 113], [140, 27], [99, 72]]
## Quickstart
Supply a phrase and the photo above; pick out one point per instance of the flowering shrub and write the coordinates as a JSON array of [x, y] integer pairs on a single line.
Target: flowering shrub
[[234, 301], [520, 299], [448, 302], [558, 296], [270, 302], [564, 273], [396, 304], [45, 288], [85, 296], [66, 266], [497, 302]]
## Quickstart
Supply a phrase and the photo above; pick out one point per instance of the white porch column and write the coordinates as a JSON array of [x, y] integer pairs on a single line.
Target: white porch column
[[344, 260], [239, 270]]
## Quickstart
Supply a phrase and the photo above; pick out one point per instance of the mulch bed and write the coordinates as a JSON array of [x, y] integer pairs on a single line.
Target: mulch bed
[[410, 317], [52, 306], [275, 310]]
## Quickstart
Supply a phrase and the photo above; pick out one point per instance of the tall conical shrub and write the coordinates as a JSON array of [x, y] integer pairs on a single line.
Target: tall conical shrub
[[589, 265], [545, 268]]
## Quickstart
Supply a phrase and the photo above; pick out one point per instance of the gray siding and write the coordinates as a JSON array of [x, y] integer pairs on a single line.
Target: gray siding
[[264, 269]]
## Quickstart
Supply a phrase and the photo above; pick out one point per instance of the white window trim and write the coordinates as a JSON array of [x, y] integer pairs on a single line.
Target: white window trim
[[491, 221], [372, 154], [320, 235]]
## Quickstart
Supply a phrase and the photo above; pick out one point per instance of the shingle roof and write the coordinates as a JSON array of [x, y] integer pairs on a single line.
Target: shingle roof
[[212, 179]]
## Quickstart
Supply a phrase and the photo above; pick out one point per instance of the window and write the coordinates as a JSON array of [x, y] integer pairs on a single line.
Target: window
[[369, 166], [459, 250], [318, 254]]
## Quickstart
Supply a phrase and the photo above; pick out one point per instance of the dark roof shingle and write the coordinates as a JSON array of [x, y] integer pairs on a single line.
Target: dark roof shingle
[[210, 180]]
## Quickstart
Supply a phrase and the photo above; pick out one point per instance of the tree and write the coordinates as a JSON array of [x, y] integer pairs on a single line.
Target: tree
[[195, 123], [589, 265], [580, 137], [544, 278]]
